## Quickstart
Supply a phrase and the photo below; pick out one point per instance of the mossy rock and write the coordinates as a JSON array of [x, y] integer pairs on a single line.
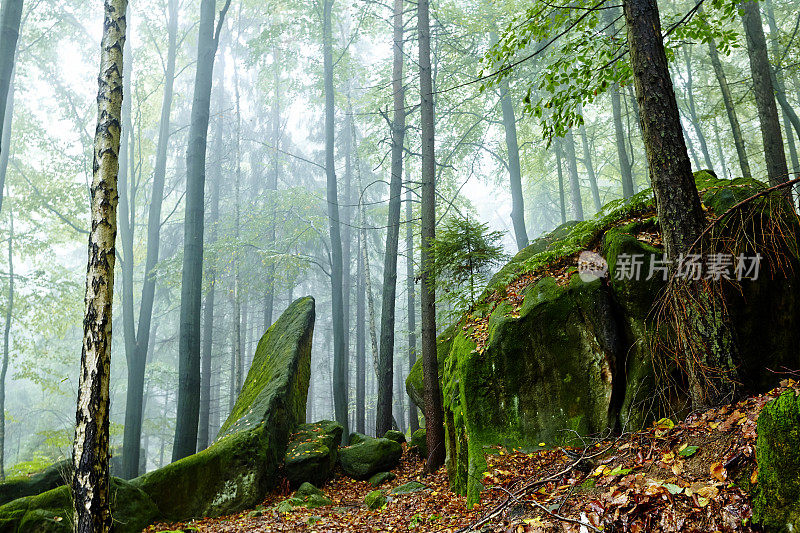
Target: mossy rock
[[365, 459], [415, 388], [396, 436], [51, 512], [357, 438], [307, 496], [408, 488], [51, 477], [241, 466], [375, 500], [776, 506], [419, 439], [312, 452], [381, 477]]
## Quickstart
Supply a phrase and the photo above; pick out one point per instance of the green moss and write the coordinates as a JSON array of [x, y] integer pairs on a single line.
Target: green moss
[[414, 384], [381, 477], [408, 488], [418, 439], [776, 505], [365, 459], [45, 479], [396, 436], [375, 500], [312, 452]]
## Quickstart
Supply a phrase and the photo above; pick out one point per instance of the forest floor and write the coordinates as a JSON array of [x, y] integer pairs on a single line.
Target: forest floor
[[687, 476]]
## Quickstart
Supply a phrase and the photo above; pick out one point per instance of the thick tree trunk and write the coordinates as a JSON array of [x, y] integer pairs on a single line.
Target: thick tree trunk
[[434, 415], [192, 273], [386, 354], [587, 163], [514, 167], [730, 109], [10, 17], [138, 359], [337, 304], [413, 417], [574, 179], [777, 170], [205, 433], [677, 201], [90, 479]]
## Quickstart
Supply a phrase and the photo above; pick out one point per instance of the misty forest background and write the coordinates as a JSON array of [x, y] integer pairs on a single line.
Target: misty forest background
[[267, 234]]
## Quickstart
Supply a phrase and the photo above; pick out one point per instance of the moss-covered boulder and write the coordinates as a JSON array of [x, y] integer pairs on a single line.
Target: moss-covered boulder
[[51, 512], [51, 477], [312, 452], [241, 466], [395, 435], [547, 355], [408, 488], [367, 458], [374, 500], [776, 506], [356, 438], [419, 440], [381, 477]]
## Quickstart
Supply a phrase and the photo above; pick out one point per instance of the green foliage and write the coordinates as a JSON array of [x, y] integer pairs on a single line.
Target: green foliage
[[464, 251]]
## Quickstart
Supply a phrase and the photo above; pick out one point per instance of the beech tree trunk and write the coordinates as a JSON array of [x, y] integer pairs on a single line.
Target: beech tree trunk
[[413, 417], [6, 340], [561, 200], [383, 417], [137, 360], [514, 167], [361, 342], [693, 116], [574, 179], [10, 18], [777, 170], [90, 479], [192, 273], [337, 304], [434, 415], [587, 163]]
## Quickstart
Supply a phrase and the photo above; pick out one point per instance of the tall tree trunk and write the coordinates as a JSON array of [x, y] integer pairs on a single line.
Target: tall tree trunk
[[720, 150], [337, 305], [777, 170], [587, 162], [574, 179], [192, 273], [413, 417], [237, 282], [205, 433], [360, 341], [677, 201], [434, 415], [6, 339], [559, 158], [272, 184], [730, 109], [347, 239], [693, 116], [10, 18], [514, 167], [90, 479], [138, 359], [386, 355]]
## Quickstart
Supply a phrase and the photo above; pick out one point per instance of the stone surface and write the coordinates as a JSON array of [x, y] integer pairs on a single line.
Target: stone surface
[[367, 458], [241, 466], [312, 452], [381, 477], [776, 505], [51, 477], [306, 496], [408, 488], [419, 440]]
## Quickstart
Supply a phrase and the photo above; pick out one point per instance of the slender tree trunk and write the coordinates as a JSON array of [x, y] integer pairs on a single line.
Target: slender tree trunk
[[587, 162], [514, 167], [138, 359], [6, 339], [693, 116], [720, 150], [413, 417], [337, 304], [777, 170], [434, 415], [10, 18], [690, 145], [561, 200], [347, 240], [192, 273], [386, 354], [730, 109], [205, 434], [677, 201], [237, 282], [360, 341], [574, 179], [90, 479], [272, 184]]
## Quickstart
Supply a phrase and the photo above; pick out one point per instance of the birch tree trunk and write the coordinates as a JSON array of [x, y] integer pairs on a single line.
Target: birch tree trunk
[[90, 479]]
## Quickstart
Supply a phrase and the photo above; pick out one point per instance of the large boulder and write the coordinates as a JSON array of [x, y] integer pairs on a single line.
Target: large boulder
[[549, 356], [370, 456], [51, 477], [51, 512], [776, 506], [312, 452], [241, 466]]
